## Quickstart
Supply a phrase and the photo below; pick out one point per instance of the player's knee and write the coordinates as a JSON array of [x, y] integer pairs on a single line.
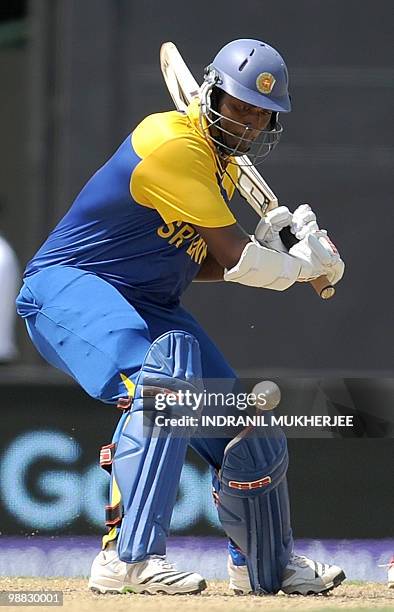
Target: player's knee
[[254, 465], [175, 354], [173, 362], [174, 357]]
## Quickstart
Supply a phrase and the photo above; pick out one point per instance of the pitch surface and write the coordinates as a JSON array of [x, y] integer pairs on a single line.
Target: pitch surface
[[77, 598]]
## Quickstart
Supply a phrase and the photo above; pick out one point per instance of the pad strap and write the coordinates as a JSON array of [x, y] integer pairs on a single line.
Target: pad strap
[[113, 515], [107, 453]]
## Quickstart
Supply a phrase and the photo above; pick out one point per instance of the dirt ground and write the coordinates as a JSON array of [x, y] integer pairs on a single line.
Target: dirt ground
[[354, 596]]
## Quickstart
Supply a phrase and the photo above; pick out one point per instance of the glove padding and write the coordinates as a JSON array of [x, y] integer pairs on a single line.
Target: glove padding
[[318, 256], [267, 230], [303, 222]]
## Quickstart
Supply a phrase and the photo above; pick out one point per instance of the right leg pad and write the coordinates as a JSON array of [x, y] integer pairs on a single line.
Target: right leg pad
[[148, 463]]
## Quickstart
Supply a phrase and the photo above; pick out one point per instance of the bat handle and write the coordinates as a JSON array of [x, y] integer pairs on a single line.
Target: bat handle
[[321, 284], [323, 288]]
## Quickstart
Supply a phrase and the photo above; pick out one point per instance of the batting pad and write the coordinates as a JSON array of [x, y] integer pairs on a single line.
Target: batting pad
[[254, 504], [148, 459]]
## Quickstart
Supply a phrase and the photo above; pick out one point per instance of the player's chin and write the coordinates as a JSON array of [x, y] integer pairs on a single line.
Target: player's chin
[[237, 145], [243, 149]]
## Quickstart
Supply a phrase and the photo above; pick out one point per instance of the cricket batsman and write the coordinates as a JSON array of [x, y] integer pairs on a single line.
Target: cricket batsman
[[101, 301]]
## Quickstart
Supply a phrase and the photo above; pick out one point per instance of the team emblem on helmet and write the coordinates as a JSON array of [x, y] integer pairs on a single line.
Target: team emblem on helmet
[[265, 82]]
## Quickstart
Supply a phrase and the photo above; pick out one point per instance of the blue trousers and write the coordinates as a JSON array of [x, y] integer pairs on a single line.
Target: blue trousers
[[82, 325]]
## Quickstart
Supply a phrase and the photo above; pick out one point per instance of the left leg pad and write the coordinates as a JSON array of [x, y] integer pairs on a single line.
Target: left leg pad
[[254, 505]]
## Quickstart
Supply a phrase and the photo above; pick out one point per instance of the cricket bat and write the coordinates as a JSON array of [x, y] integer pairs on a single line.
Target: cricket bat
[[183, 87]]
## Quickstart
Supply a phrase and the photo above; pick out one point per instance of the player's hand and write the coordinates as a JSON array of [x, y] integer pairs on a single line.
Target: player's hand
[[318, 256], [303, 222], [267, 230]]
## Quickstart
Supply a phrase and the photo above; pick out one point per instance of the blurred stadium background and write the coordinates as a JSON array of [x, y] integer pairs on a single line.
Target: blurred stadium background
[[75, 78]]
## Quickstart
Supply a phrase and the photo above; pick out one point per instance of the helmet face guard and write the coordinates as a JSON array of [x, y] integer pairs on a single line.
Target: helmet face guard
[[252, 72], [257, 149]]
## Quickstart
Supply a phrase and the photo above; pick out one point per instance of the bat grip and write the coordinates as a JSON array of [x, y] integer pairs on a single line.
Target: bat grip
[[321, 284], [323, 287]]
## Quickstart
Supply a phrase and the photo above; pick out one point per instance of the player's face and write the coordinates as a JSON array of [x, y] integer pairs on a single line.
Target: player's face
[[252, 117]]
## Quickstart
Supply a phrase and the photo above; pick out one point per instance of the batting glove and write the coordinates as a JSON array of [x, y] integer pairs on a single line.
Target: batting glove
[[267, 230], [303, 222], [318, 256]]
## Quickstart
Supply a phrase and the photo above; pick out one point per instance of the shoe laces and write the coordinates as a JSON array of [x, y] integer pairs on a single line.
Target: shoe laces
[[299, 560], [162, 562]]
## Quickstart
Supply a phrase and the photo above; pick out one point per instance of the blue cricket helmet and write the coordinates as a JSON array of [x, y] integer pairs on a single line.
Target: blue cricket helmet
[[254, 72]]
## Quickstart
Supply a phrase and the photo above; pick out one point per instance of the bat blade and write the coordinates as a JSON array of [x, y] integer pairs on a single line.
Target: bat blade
[[180, 82]]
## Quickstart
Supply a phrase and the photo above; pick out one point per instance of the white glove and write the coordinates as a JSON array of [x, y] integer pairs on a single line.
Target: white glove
[[318, 256], [304, 221], [267, 230]]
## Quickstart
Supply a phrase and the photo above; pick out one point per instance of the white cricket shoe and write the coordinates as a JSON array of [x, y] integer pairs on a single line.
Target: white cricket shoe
[[153, 575], [302, 576]]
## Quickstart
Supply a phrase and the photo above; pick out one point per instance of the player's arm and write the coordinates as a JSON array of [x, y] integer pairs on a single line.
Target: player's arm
[[210, 270], [231, 251], [248, 262], [225, 246]]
